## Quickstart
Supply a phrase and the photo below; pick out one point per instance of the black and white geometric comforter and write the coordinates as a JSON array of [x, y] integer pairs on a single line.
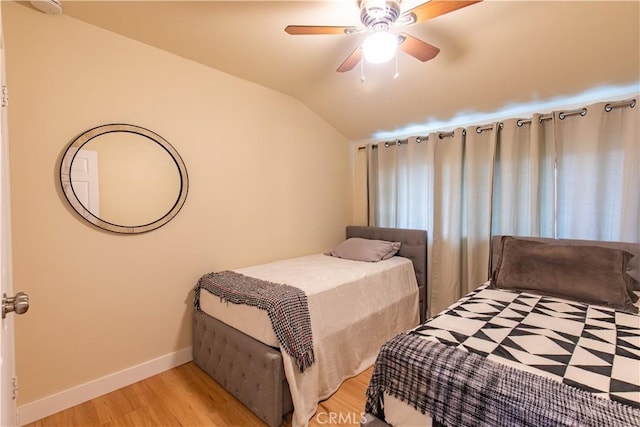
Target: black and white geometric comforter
[[567, 363], [594, 348]]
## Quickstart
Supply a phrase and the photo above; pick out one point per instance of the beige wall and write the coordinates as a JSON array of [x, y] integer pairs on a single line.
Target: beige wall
[[267, 181]]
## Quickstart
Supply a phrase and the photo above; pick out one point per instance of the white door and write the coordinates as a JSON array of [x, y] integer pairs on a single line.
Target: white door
[[8, 416]]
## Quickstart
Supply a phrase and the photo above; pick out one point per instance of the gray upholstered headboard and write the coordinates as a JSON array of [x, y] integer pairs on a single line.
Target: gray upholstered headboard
[[634, 248], [414, 247]]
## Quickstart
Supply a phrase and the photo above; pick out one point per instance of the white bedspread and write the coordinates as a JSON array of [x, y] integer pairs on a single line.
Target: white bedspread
[[355, 307]]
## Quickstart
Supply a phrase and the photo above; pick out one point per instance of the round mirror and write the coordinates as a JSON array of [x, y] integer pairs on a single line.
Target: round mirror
[[124, 178]]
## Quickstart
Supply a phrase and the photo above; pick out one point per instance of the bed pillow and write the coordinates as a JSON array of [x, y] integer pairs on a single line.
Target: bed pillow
[[358, 249], [633, 270], [590, 274]]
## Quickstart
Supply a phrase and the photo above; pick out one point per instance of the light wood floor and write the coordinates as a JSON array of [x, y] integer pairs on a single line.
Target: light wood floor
[[186, 396]]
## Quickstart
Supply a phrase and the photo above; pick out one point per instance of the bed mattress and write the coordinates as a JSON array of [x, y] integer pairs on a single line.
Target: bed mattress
[[588, 347], [321, 277], [249, 320]]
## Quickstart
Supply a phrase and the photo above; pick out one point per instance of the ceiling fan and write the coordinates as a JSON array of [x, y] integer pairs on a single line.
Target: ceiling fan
[[378, 17]]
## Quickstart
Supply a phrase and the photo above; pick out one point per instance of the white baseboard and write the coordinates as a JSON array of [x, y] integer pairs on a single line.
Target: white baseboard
[[49, 405]]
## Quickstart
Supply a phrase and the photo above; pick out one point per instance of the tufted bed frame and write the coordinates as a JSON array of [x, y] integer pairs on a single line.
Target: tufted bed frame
[[252, 371]]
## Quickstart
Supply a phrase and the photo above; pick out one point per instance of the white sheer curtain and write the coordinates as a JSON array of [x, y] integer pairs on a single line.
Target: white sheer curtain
[[571, 177], [407, 195], [404, 175], [598, 174], [524, 195]]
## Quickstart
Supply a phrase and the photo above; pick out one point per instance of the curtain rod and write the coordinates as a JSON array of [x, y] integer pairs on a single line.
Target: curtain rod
[[627, 103], [479, 129]]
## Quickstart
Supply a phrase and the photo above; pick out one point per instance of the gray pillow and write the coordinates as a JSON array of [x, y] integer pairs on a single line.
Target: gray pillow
[[358, 249], [633, 270], [590, 274]]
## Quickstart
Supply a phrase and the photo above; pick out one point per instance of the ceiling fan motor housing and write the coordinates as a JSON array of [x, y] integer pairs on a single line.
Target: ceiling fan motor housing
[[379, 13]]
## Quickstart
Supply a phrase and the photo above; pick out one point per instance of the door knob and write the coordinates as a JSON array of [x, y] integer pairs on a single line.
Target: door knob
[[18, 304]]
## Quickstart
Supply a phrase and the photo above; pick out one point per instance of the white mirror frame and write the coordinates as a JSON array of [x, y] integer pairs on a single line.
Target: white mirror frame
[[69, 193]]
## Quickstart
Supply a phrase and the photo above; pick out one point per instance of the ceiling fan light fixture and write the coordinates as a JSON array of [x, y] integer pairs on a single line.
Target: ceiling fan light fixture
[[380, 47]]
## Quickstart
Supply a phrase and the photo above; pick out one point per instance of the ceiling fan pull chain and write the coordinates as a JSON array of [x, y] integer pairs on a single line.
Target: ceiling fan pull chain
[[362, 77]]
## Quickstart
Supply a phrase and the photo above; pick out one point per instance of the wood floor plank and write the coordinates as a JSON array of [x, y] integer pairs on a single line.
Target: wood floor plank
[[187, 396]]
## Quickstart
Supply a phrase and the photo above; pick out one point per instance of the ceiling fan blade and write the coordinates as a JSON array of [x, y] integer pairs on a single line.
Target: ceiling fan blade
[[297, 30], [433, 9], [351, 61], [420, 50]]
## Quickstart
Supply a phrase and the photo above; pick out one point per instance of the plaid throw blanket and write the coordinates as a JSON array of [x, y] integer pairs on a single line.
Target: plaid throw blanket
[[458, 388], [286, 306]]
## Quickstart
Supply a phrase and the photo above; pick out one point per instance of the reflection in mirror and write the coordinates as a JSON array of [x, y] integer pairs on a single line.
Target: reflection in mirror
[[124, 178]]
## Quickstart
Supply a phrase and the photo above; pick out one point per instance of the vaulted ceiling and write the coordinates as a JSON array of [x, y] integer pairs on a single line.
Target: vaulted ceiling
[[493, 54]]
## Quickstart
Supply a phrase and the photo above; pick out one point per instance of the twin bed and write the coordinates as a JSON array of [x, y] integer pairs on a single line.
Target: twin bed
[[543, 343], [354, 307], [552, 340]]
